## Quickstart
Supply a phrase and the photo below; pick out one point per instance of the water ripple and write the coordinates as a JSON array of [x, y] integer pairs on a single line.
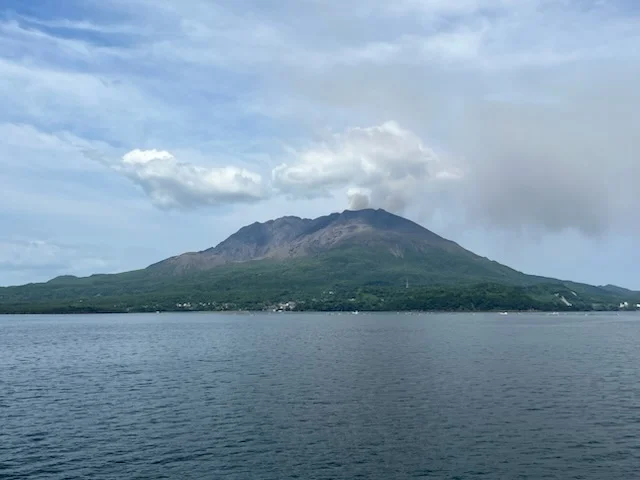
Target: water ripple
[[319, 397]]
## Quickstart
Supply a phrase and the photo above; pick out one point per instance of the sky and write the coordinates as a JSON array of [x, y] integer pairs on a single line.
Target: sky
[[134, 130]]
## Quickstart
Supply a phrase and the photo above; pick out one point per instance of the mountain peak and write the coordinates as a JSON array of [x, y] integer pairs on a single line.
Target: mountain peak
[[293, 237], [382, 219]]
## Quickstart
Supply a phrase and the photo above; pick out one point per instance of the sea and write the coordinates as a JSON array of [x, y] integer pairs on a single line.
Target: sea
[[320, 396]]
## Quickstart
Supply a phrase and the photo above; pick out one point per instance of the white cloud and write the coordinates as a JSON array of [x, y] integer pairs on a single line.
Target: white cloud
[[171, 183], [384, 166], [388, 161]]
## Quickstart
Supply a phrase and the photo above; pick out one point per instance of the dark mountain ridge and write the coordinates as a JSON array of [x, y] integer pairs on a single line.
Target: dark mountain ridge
[[294, 237]]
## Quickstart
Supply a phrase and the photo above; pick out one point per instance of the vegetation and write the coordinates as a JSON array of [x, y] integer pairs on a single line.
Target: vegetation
[[339, 280]]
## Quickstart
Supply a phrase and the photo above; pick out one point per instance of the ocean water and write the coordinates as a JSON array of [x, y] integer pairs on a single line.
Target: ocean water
[[318, 396]]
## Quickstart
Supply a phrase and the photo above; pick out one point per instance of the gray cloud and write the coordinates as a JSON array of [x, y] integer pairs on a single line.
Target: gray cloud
[[544, 131], [569, 163], [552, 163], [358, 199]]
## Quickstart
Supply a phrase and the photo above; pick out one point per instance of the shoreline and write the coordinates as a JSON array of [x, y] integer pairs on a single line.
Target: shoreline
[[330, 312]]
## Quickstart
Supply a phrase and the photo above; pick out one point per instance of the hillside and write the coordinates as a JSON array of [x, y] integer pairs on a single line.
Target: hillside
[[373, 245], [367, 259], [293, 237]]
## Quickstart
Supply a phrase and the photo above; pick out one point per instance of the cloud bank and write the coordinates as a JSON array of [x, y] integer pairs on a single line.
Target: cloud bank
[[527, 168], [383, 166]]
